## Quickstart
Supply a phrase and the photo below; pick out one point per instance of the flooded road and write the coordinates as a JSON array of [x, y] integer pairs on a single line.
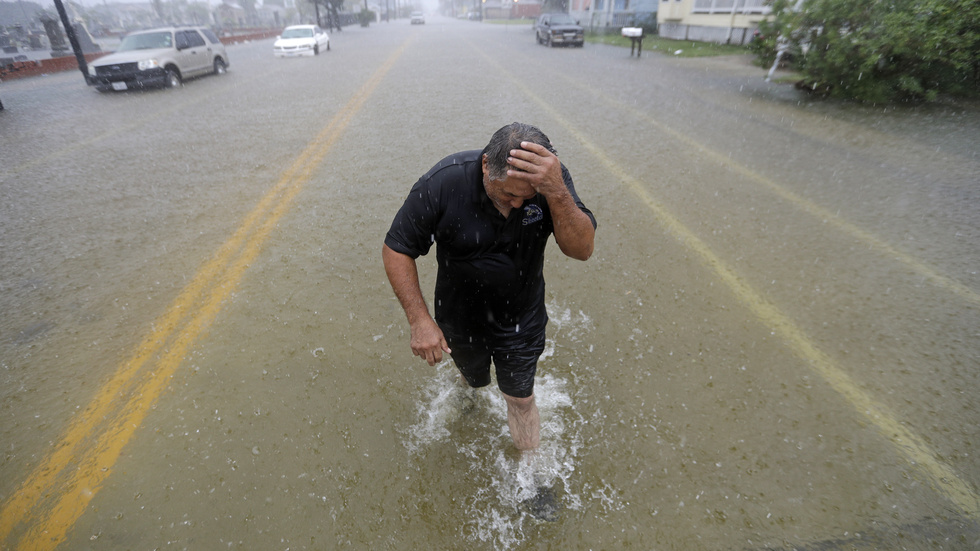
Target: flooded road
[[776, 344]]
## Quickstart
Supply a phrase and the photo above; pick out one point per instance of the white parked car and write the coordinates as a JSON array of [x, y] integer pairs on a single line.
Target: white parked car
[[418, 18], [301, 40]]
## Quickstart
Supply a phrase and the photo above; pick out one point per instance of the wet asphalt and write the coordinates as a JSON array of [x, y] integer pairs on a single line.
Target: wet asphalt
[[774, 346]]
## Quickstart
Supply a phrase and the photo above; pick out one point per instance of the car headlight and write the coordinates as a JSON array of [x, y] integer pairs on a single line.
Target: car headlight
[[147, 64], [91, 70]]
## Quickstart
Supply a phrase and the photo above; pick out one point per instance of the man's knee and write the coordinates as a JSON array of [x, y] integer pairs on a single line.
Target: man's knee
[[520, 403]]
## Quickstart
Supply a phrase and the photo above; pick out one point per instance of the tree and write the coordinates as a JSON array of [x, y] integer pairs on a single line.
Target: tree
[[198, 12], [331, 13], [251, 14], [158, 7], [880, 51]]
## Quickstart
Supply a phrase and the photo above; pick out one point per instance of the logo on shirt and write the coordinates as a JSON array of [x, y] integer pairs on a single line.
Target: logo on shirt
[[532, 214]]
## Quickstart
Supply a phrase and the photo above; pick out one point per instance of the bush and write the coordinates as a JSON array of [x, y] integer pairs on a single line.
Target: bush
[[876, 51], [365, 17]]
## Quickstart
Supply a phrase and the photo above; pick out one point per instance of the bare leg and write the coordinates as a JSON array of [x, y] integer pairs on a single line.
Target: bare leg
[[524, 422]]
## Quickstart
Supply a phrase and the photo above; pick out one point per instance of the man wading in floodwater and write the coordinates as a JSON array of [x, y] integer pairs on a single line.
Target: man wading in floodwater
[[490, 214]]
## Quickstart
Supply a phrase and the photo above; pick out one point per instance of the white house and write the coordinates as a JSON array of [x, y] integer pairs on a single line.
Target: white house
[[613, 14], [721, 21]]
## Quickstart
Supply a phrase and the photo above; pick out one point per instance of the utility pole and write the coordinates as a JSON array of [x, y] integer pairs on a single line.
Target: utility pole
[[72, 39]]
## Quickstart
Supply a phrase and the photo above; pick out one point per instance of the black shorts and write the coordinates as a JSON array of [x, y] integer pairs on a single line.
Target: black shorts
[[515, 361]]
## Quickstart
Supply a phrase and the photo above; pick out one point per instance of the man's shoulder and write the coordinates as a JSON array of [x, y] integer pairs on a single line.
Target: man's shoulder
[[455, 165]]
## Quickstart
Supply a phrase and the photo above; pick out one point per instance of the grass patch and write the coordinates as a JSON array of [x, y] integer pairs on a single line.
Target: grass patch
[[662, 45], [788, 78]]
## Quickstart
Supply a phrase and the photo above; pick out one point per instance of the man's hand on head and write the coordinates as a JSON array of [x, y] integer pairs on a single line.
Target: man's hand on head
[[537, 166]]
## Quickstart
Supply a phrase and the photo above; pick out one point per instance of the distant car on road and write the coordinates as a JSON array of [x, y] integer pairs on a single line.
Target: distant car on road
[[554, 29], [300, 40], [159, 57], [418, 18]]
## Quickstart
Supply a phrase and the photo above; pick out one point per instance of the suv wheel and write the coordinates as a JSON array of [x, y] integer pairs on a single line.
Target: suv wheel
[[173, 78], [219, 66], [316, 49]]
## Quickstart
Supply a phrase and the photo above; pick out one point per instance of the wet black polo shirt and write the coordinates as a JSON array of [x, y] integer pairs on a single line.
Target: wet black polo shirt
[[490, 281]]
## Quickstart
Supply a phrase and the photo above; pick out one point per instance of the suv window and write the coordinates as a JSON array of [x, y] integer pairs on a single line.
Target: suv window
[[146, 41], [189, 39], [213, 38], [562, 19]]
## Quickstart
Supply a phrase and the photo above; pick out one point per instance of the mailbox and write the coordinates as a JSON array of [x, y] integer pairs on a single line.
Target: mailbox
[[635, 34]]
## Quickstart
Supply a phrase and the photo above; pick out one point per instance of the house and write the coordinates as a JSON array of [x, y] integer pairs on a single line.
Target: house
[[612, 15], [511, 9], [720, 21], [229, 14], [115, 17], [274, 15], [525, 9], [19, 14]]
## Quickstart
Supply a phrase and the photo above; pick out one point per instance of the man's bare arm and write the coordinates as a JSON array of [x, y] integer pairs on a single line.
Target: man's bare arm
[[427, 339]]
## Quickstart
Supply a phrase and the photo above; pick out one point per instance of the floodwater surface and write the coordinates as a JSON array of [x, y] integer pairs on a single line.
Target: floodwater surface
[[774, 346]]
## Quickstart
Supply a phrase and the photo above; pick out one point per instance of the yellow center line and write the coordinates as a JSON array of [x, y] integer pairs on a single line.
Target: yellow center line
[[929, 273], [943, 479], [84, 457]]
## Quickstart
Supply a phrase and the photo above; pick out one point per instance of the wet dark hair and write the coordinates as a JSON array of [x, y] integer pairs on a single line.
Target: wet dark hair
[[507, 138]]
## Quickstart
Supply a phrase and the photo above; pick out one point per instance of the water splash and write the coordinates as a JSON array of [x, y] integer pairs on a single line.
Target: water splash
[[503, 478]]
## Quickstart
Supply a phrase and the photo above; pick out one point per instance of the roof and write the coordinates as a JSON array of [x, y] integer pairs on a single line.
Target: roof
[[19, 13]]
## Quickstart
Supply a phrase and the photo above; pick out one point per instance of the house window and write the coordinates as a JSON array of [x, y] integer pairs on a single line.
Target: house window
[[725, 6]]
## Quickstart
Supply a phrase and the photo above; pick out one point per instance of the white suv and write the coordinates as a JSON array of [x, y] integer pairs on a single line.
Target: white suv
[[159, 57]]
